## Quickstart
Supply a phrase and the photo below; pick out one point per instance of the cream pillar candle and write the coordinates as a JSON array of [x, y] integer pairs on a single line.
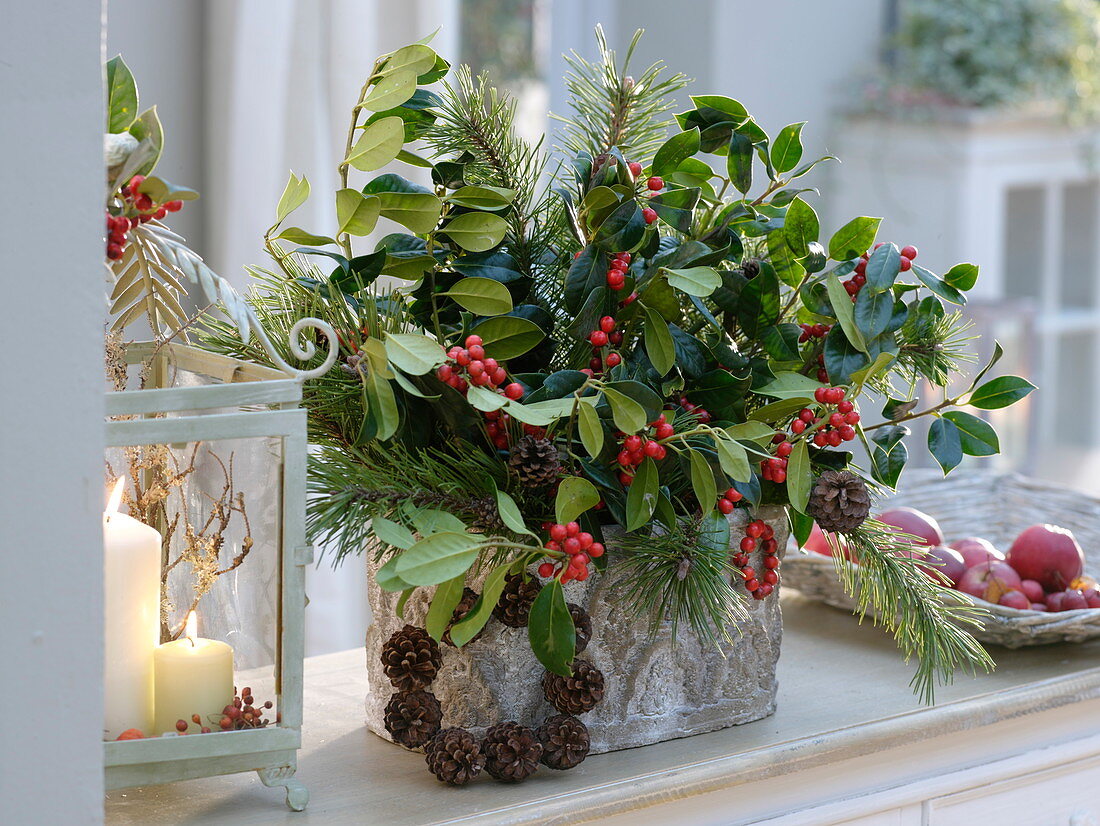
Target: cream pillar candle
[[131, 589], [192, 676]]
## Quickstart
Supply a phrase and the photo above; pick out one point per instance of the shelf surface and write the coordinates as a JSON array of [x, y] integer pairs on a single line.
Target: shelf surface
[[843, 692]]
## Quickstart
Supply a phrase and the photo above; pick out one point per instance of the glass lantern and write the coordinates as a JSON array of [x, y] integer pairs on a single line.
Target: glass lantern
[[205, 591]]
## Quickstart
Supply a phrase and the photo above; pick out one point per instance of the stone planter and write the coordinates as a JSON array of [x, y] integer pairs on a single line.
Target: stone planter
[[655, 689]]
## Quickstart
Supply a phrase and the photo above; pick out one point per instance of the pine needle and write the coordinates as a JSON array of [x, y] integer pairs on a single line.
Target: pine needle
[[888, 586], [610, 108]]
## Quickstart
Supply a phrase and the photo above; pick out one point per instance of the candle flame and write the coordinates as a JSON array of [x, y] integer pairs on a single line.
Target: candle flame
[[116, 495], [191, 627]]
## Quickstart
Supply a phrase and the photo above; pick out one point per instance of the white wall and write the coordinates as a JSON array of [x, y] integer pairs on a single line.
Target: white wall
[[51, 417]]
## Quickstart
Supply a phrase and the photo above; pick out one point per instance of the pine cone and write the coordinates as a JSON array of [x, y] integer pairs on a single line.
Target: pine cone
[[582, 623], [411, 658], [839, 501], [535, 461], [412, 717], [464, 607], [514, 606], [575, 694], [512, 752], [564, 741], [454, 756]]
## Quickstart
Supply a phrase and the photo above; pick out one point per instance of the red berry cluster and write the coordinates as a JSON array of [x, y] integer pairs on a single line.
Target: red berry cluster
[[728, 500], [244, 712], [496, 427], [775, 468], [762, 584], [605, 336], [469, 365], [838, 427], [616, 274], [854, 284], [579, 548], [813, 331], [635, 448], [698, 412], [822, 373], [655, 185], [139, 208]]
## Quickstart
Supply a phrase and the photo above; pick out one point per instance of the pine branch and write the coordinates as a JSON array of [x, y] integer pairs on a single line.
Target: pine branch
[[887, 584], [681, 576], [612, 109], [934, 346]]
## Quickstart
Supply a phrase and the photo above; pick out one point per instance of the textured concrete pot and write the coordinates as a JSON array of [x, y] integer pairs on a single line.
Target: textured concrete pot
[[654, 689]]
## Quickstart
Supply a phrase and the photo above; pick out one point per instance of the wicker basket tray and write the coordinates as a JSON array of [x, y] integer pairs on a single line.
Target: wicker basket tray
[[997, 507]]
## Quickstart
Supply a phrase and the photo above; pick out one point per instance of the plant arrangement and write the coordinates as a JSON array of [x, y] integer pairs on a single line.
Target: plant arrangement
[[577, 362], [1003, 54]]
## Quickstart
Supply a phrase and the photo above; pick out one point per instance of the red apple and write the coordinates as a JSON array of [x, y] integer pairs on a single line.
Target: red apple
[[1092, 597], [1074, 601], [1048, 554], [944, 565], [989, 580], [914, 522], [974, 549], [818, 542], [1054, 601], [1039, 606], [1033, 590], [1014, 599]]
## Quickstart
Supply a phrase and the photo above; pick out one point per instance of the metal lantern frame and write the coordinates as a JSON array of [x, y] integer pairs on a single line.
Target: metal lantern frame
[[265, 403]]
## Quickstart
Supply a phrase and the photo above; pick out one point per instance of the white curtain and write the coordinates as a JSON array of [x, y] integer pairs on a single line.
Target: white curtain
[[281, 78]]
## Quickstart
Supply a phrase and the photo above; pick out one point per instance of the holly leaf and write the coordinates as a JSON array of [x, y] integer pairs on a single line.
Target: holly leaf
[[550, 630]]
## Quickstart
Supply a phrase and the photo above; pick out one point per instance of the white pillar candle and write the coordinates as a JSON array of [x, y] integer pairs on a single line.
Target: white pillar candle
[[131, 589], [193, 676]]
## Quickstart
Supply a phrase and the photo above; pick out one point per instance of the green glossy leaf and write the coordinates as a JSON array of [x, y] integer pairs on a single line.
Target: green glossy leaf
[[787, 149], [801, 526], [845, 313], [754, 431], [739, 162], [476, 231], [676, 207], [702, 480], [405, 202], [482, 296], [873, 311], [356, 213], [469, 626], [378, 144], [622, 230], [790, 385], [674, 151], [485, 400], [854, 238], [298, 236], [658, 341], [432, 520], [388, 578], [1000, 392], [482, 197], [883, 268], [698, 281], [734, 459], [550, 630], [641, 497], [414, 354], [781, 341], [507, 336], [575, 496], [294, 195], [842, 359], [446, 599], [586, 274], [977, 436], [799, 476], [161, 190], [628, 415], [962, 276], [122, 96], [383, 405], [147, 127], [801, 227], [416, 58], [938, 286], [510, 514], [945, 444], [437, 558], [782, 257], [392, 90], [402, 600], [591, 431], [392, 533]]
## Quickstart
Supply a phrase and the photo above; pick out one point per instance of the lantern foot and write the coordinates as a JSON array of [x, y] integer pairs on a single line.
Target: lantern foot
[[297, 795]]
